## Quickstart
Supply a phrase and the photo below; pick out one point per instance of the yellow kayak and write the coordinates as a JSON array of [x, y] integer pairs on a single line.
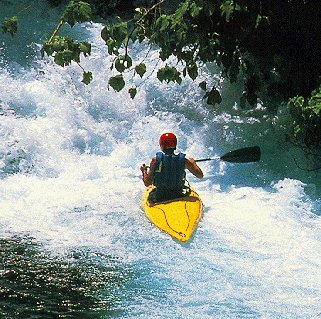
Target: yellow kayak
[[178, 217]]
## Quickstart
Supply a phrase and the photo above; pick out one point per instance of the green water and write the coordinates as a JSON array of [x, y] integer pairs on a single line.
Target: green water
[[35, 284]]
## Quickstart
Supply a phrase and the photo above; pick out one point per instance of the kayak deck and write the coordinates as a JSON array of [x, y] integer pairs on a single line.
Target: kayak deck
[[177, 217]]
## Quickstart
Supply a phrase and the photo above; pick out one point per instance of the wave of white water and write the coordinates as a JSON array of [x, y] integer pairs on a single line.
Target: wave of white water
[[70, 157]]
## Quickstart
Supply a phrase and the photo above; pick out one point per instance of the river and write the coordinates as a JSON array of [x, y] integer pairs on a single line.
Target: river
[[75, 242]]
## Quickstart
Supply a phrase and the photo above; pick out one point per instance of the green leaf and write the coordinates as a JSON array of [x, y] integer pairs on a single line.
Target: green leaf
[[87, 77], [195, 10], [10, 25], [59, 59], [169, 74], [203, 85], [65, 50], [112, 46], [119, 65], [163, 22], [123, 62], [64, 57], [177, 17], [140, 69], [132, 92], [115, 36], [119, 32], [105, 33], [47, 48], [85, 48], [117, 82], [260, 19], [192, 71], [213, 97], [228, 8], [77, 11]]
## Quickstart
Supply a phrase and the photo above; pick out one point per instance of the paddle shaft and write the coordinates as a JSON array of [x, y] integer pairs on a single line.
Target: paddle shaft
[[208, 159], [242, 155]]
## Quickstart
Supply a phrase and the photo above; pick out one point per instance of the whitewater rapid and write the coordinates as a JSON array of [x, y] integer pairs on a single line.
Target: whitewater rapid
[[69, 168]]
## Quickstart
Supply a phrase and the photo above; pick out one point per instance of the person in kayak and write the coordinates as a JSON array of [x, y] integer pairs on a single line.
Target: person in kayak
[[167, 170]]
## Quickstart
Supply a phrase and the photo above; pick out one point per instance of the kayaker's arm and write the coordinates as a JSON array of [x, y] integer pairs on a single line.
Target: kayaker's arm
[[191, 165], [148, 177]]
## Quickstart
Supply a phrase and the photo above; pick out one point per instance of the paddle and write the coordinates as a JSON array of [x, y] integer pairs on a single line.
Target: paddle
[[242, 155]]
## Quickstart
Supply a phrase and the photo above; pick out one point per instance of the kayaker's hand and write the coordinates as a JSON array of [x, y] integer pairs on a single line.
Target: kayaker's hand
[[143, 168], [148, 172]]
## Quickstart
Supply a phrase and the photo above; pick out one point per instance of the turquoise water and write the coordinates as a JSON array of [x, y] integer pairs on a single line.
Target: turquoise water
[[74, 238]]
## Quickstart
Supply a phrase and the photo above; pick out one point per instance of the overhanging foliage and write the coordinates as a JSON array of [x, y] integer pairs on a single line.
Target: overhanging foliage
[[273, 45]]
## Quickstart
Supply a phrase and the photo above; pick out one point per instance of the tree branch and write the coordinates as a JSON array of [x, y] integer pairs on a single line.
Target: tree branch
[[56, 31], [138, 21]]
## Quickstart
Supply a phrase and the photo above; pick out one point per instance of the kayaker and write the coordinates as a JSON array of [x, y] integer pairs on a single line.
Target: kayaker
[[167, 170]]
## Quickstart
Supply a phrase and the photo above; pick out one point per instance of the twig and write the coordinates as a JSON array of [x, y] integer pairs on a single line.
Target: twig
[[26, 8], [56, 31], [80, 66], [138, 21]]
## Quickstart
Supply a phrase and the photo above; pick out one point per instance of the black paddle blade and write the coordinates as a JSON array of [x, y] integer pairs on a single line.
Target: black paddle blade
[[243, 155]]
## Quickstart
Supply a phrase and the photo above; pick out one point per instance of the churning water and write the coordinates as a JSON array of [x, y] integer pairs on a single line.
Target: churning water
[[75, 242]]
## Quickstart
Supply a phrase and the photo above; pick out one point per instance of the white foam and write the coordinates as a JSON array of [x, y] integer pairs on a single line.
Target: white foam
[[78, 184]]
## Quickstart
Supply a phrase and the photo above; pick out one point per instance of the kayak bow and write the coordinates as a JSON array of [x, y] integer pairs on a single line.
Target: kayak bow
[[178, 217]]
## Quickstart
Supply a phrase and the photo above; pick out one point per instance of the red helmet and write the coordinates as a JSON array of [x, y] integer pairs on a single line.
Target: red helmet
[[168, 140]]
